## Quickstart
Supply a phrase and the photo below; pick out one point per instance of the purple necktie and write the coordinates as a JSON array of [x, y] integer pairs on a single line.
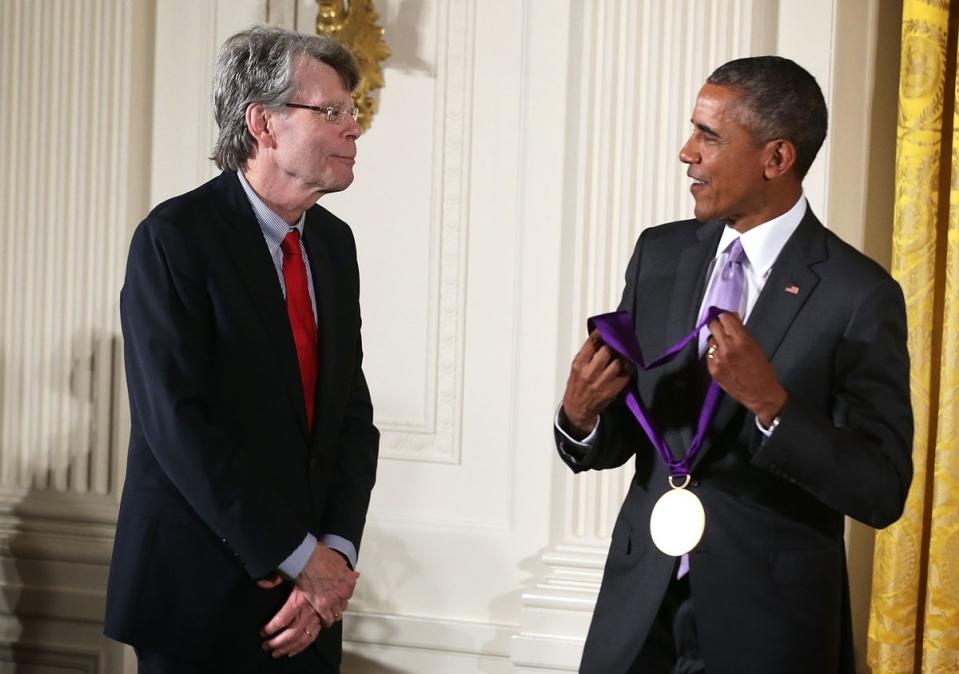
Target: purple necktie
[[726, 290]]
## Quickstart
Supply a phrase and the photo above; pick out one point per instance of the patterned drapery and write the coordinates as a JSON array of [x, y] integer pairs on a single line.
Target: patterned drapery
[[914, 616]]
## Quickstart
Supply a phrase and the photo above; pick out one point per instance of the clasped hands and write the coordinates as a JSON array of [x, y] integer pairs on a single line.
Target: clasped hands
[[319, 597], [737, 364]]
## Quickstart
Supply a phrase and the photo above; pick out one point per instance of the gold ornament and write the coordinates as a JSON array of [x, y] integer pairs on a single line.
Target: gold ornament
[[352, 23]]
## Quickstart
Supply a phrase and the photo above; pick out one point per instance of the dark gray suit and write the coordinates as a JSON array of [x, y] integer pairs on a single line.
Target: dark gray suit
[[768, 579]]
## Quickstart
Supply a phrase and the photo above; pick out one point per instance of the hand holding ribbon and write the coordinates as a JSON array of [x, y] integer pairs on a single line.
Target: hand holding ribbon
[[741, 369], [596, 377]]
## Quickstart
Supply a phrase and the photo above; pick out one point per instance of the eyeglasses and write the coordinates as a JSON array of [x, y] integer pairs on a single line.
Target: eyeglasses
[[329, 112]]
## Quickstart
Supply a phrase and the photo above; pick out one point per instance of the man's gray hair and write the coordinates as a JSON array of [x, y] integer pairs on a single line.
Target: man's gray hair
[[778, 98], [257, 66]]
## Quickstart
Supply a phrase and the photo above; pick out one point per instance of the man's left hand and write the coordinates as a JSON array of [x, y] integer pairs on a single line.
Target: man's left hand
[[741, 369], [294, 627]]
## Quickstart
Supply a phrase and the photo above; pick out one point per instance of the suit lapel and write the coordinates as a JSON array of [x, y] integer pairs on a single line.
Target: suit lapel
[[324, 289], [776, 307], [688, 288], [683, 308], [791, 281], [255, 267]]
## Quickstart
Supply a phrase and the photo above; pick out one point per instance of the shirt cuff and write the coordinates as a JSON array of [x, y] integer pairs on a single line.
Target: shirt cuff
[[342, 546], [293, 565], [768, 432], [579, 446]]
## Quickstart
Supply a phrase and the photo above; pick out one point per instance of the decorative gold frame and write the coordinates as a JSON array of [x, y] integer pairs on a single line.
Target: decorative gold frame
[[352, 23]]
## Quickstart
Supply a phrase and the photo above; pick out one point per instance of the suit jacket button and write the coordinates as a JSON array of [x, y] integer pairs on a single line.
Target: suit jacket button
[[314, 463]]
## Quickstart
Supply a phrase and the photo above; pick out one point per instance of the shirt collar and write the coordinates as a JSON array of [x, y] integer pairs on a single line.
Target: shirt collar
[[764, 242], [274, 227]]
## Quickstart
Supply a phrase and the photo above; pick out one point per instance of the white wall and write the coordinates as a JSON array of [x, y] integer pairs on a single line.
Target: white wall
[[519, 148]]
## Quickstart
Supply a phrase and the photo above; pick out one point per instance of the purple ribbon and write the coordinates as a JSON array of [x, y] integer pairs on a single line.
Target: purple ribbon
[[616, 329]]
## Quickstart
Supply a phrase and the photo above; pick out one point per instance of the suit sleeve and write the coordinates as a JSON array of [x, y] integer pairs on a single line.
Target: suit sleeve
[[857, 462], [618, 436], [168, 332], [357, 450], [355, 472]]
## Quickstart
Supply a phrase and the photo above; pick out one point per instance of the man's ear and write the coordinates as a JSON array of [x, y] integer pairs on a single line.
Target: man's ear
[[259, 122], [780, 157]]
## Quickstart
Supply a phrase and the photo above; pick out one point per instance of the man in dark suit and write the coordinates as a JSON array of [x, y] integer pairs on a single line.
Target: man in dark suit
[[252, 451], [815, 421]]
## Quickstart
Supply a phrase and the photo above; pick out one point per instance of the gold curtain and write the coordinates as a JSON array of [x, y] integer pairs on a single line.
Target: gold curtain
[[914, 615]]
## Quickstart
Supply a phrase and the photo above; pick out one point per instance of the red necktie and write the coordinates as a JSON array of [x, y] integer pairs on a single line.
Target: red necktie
[[300, 311]]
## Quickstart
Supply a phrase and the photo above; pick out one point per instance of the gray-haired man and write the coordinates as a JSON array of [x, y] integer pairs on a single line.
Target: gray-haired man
[[252, 450]]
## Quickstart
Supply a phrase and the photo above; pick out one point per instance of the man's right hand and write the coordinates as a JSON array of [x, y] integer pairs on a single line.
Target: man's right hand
[[327, 583], [595, 379]]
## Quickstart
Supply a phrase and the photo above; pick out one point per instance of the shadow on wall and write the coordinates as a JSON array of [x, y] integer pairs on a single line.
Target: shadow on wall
[[511, 603], [403, 29], [54, 549], [394, 568]]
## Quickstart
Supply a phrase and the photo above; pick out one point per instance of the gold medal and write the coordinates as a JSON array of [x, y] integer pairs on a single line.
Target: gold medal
[[678, 519]]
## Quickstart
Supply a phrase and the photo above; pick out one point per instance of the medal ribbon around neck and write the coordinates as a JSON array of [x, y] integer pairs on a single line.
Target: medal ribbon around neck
[[616, 329]]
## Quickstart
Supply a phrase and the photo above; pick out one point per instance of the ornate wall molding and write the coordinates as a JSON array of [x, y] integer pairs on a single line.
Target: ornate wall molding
[[437, 436]]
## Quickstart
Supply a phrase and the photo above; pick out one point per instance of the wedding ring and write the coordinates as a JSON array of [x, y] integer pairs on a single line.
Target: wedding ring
[[711, 351], [307, 630]]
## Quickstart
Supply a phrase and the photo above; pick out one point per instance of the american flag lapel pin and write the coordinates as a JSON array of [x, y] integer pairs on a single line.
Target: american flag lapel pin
[[792, 290]]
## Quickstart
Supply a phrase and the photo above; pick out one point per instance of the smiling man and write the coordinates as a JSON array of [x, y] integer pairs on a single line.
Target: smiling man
[[252, 447], [747, 575]]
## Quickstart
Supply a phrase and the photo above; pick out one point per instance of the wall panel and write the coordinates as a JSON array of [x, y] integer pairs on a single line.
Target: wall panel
[[415, 260]]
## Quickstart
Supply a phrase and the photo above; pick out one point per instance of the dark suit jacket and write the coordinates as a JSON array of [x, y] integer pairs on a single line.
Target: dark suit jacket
[[768, 579], [223, 478]]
